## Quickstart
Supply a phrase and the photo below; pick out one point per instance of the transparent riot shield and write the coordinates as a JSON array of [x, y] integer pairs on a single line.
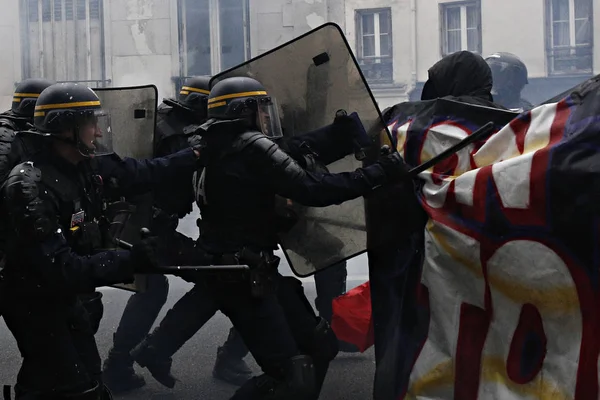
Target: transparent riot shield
[[132, 118], [312, 77], [132, 113]]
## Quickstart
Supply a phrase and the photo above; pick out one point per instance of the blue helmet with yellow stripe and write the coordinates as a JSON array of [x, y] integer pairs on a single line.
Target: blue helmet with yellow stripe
[[69, 108], [243, 98], [26, 94]]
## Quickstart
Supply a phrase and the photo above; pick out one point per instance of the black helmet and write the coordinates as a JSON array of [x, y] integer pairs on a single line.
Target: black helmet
[[508, 71], [26, 94], [71, 107], [192, 97], [242, 98], [194, 92]]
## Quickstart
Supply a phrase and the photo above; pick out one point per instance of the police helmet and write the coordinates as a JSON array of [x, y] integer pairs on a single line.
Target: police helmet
[[74, 108], [194, 92], [508, 71], [243, 98], [26, 94]]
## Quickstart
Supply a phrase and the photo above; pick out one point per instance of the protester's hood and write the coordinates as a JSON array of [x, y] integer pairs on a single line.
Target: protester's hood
[[459, 74]]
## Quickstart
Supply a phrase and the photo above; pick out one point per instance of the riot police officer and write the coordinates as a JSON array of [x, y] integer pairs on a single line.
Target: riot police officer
[[142, 309], [55, 205], [510, 77], [236, 194], [18, 118]]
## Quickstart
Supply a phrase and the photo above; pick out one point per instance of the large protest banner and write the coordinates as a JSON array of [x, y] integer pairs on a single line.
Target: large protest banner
[[495, 294]]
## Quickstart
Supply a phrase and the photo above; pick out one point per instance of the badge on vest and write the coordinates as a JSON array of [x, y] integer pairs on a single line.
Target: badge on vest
[[77, 218]]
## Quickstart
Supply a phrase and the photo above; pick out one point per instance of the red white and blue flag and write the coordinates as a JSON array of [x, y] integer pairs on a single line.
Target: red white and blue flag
[[494, 293]]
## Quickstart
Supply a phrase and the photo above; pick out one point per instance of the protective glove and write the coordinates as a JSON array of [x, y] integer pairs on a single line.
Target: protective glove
[[198, 144], [394, 167], [144, 255]]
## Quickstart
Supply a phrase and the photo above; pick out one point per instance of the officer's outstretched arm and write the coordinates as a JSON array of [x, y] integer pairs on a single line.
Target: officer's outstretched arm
[[137, 177], [42, 244], [289, 180]]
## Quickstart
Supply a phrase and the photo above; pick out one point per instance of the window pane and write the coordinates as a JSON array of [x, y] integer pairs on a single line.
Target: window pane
[[368, 46], [583, 32], [46, 10], [197, 31], [81, 9], [368, 26], [94, 9], [473, 40], [583, 8], [384, 22], [561, 34], [233, 42], [454, 40], [560, 10], [58, 10], [472, 16], [69, 10], [453, 18], [32, 10], [384, 41]]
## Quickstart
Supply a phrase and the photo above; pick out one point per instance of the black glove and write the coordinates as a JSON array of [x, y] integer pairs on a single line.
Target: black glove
[[394, 167], [198, 143], [144, 255]]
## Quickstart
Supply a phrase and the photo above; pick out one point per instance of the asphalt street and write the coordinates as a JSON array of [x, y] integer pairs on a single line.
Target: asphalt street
[[350, 375]]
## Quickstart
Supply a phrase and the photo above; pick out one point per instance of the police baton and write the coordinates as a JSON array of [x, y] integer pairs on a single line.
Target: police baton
[[145, 233]]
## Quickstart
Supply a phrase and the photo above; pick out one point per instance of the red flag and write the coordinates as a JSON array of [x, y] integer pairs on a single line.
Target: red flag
[[352, 320]]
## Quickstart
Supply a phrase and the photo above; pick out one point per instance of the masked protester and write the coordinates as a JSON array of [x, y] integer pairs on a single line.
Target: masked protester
[[244, 163], [510, 77], [55, 204]]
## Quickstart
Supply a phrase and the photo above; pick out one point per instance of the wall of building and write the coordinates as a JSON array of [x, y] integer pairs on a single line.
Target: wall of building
[[527, 40], [596, 28], [142, 43], [388, 94], [10, 54], [274, 22]]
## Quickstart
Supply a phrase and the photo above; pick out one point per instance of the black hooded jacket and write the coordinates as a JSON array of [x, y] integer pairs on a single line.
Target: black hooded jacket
[[462, 75]]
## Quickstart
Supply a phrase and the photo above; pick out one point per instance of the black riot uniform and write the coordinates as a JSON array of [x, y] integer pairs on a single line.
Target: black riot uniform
[[13, 147], [142, 309], [311, 150], [510, 77], [55, 205], [236, 193]]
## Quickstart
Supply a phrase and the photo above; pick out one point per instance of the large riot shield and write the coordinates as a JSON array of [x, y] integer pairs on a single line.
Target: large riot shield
[[312, 77], [132, 113]]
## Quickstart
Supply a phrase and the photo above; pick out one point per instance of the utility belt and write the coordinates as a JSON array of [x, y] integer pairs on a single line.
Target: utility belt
[[263, 271]]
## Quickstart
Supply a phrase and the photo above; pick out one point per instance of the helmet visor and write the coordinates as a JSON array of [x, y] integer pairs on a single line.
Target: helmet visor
[[268, 118], [95, 134]]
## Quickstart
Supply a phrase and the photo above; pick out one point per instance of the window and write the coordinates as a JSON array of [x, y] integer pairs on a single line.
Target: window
[[214, 35], [60, 47], [461, 27], [569, 36], [374, 44]]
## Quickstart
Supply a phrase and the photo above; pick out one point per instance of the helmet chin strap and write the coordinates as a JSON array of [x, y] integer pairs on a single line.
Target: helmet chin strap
[[79, 145]]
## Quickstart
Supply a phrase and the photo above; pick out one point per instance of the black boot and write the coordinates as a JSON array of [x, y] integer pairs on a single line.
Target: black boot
[[230, 365], [159, 365], [118, 373]]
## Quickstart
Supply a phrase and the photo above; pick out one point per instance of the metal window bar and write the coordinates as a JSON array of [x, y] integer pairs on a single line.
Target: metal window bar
[[377, 69], [566, 60], [61, 40]]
